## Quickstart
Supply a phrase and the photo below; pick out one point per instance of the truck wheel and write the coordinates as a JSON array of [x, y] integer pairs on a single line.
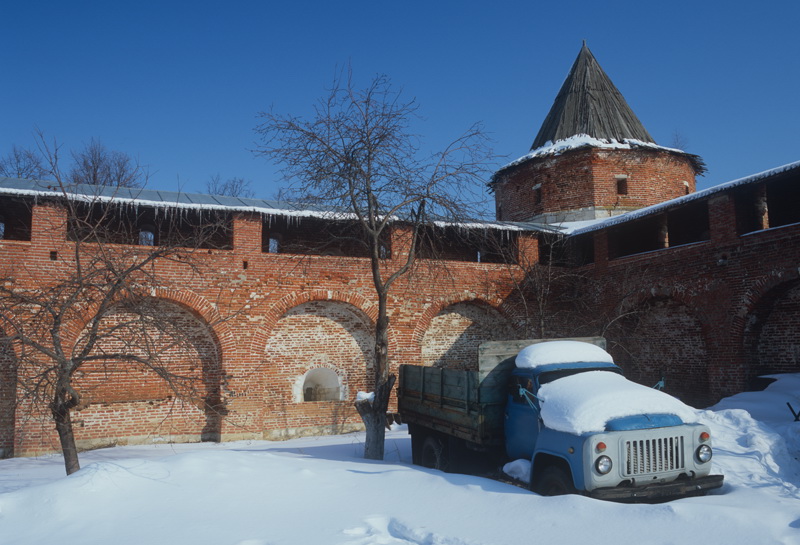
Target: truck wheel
[[554, 481], [434, 453]]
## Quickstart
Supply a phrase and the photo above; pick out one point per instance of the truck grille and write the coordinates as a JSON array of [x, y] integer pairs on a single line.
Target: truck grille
[[654, 455]]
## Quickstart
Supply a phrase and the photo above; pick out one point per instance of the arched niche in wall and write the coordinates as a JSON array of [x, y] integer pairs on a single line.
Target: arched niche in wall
[[321, 384]]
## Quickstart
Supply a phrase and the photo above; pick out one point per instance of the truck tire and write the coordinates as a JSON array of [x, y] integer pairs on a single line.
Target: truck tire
[[554, 481], [434, 453]]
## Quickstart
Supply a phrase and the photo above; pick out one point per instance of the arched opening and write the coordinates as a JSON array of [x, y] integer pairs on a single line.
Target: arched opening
[[771, 333], [662, 339], [322, 351], [454, 334], [321, 384], [173, 386]]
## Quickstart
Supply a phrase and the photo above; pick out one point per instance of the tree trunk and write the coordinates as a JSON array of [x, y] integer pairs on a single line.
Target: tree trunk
[[63, 419], [374, 416]]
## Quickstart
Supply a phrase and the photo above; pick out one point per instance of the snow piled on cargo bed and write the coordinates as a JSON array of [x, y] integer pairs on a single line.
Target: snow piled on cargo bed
[[585, 402], [551, 352]]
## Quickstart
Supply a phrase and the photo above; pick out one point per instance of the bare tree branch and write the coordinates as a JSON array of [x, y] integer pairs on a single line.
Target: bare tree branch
[[356, 154]]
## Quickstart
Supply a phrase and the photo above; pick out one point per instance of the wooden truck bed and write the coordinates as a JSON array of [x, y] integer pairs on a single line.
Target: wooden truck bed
[[465, 404], [452, 401]]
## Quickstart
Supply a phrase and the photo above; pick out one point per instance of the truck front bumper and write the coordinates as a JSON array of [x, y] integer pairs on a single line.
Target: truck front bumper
[[659, 492]]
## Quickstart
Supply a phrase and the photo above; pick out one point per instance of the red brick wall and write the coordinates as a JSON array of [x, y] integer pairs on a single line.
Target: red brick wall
[[453, 337], [7, 399], [261, 322], [714, 314], [587, 177]]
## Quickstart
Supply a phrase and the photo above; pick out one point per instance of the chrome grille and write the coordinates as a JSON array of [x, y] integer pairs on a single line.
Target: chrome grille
[[654, 455]]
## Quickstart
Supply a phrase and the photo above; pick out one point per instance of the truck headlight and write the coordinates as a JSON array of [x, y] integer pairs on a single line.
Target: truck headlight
[[603, 465], [703, 453]]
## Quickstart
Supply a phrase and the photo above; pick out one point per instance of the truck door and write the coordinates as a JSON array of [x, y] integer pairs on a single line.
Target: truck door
[[522, 418]]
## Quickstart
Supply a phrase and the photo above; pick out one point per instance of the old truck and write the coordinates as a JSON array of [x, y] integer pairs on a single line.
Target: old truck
[[564, 408]]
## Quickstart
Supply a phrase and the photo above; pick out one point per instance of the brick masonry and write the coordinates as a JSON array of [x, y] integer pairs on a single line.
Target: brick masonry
[[586, 179], [260, 323], [707, 316]]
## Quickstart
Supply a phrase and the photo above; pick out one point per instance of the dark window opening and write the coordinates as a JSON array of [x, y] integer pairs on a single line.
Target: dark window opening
[[635, 237], [315, 236], [149, 226], [15, 219], [689, 224], [783, 195], [560, 251], [461, 244], [622, 185], [537, 194], [746, 205]]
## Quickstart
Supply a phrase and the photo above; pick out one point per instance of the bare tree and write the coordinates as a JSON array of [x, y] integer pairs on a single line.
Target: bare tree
[[94, 308], [23, 163], [97, 165], [548, 289], [357, 155], [232, 187]]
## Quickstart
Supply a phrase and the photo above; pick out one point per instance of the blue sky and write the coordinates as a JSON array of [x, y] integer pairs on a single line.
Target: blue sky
[[179, 84]]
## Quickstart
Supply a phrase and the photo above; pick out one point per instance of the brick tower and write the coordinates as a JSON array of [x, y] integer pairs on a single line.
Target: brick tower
[[592, 158]]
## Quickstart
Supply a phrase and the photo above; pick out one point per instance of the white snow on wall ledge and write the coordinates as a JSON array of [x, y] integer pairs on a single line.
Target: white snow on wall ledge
[[622, 218], [585, 141], [171, 200], [585, 402]]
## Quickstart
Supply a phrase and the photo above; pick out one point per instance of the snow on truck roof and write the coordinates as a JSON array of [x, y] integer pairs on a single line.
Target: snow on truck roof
[[550, 352]]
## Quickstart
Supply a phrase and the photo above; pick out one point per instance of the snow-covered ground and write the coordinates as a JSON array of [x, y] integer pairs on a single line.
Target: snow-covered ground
[[317, 491]]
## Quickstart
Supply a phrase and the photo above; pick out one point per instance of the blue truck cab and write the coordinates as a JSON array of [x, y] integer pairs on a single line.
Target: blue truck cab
[[507, 412]]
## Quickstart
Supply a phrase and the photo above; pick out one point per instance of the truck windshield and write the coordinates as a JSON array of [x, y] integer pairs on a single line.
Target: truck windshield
[[550, 376]]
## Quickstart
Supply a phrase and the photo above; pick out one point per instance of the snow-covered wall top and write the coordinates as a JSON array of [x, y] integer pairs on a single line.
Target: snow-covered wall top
[[585, 141], [551, 352], [197, 201], [608, 222], [586, 402]]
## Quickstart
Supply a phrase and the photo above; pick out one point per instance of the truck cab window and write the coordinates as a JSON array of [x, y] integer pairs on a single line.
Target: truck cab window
[[514, 386]]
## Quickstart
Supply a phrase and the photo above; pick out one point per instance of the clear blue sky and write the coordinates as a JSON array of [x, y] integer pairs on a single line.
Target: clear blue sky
[[179, 84]]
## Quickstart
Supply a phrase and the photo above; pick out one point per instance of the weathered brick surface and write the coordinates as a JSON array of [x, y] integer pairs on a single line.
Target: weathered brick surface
[[587, 178], [712, 315], [708, 316], [260, 323]]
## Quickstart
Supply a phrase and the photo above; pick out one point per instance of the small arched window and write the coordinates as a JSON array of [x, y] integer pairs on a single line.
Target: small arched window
[[321, 384]]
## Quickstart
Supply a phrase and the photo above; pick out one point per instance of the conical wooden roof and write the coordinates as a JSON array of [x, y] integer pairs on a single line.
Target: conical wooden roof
[[589, 103]]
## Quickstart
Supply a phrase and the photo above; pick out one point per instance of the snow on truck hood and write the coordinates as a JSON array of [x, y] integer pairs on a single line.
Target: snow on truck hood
[[586, 402], [550, 352]]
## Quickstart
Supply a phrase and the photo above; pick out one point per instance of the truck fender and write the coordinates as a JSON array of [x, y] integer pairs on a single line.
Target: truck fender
[[551, 475]]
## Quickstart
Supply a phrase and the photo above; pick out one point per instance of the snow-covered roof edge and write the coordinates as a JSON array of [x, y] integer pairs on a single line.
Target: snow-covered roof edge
[[579, 141], [636, 214], [197, 201]]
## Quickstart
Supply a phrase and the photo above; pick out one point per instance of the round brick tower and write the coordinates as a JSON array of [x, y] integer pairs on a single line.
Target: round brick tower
[[592, 158]]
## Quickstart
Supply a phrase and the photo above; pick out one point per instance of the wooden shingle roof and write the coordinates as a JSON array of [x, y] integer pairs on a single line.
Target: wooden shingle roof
[[589, 103]]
